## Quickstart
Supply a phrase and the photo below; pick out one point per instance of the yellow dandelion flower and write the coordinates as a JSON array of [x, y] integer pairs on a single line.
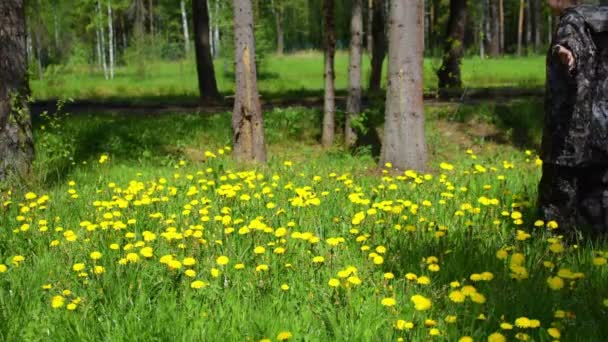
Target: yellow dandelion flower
[[599, 261], [189, 261], [421, 303], [198, 284], [555, 283], [457, 296], [78, 267], [71, 306], [222, 260], [96, 255], [190, 273], [284, 336], [333, 282], [465, 339], [57, 302], [423, 280], [497, 337], [284, 287], [318, 259], [506, 326], [403, 325], [522, 322], [389, 301], [555, 333]]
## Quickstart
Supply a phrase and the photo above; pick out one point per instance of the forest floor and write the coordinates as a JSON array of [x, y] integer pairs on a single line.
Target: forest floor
[[142, 228]]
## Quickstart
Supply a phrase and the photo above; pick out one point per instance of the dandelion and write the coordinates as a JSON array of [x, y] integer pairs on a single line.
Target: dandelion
[[3, 268], [403, 325], [95, 255], [198, 284], [465, 339], [333, 282], [554, 332], [457, 296], [146, 252], [522, 322], [497, 337], [599, 261], [389, 301], [421, 303], [71, 306], [284, 336], [284, 287], [57, 302], [318, 260], [222, 260], [555, 283]]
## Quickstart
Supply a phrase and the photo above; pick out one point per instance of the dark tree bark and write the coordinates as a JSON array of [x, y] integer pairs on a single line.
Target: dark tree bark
[[16, 142], [449, 73], [493, 34], [380, 46], [247, 121], [204, 63], [353, 101], [370, 23], [404, 142], [501, 25], [329, 99]]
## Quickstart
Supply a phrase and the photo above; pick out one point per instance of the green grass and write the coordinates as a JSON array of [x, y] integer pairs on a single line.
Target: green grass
[[288, 76], [158, 176]]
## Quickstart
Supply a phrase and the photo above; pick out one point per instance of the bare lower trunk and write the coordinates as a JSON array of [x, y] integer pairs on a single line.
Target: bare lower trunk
[[204, 63], [482, 50], [277, 9], [404, 143], [216, 30], [111, 39], [185, 27], [493, 34], [370, 24], [380, 46], [449, 73], [501, 25], [16, 142], [528, 20], [353, 101], [102, 41], [520, 27], [247, 121], [329, 105], [537, 24]]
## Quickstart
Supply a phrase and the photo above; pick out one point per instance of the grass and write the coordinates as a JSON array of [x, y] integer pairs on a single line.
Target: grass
[[291, 75], [167, 186]]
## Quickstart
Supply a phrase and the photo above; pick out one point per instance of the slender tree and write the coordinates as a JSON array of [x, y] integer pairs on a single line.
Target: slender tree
[[329, 101], [379, 45], [404, 142], [449, 73], [493, 32], [16, 142], [353, 101], [520, 26], [102, 40], [204, 63], [370, 23], [278, 8], [111, 39], [185, 27], [247, 121]]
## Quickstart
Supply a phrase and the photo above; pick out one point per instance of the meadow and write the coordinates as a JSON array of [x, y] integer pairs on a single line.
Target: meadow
[[293, 75], [143, 228]]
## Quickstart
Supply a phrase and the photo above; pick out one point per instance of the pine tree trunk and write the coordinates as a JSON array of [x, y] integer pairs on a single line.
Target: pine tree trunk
[[277, 10], [204, 63], [482, 21], [520, 27], [528, 21], [449, 73], [493, 35], [370, 24], [537, 25], [111, 39], [16, 142], [353, 101], [247, 121], [501, 25], [329, 101], [380, 46], [185, 27], [404, 142]]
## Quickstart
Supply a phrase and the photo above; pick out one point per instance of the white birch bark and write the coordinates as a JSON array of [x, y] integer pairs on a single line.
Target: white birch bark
[[185, 27], [216, 30], [111, 39], [102, 40]]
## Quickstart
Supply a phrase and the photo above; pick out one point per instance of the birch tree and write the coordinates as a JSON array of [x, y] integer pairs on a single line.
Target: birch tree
[[404, 143], [185, 27], [110, 39], [353, 101], [329, 101]]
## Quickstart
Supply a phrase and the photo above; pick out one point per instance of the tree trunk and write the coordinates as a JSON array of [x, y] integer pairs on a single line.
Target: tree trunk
[[449, 73], [204, 63], [537, 24], [216, 30], [493, 35], [520, 27], [16, 142], [102, 40], [247, 122], [528, 23], [277, 10], [353, 101], [380, 46], [111, 39], [151, 17], [370, 24], [329, 101], [482, 21], [501, 25], [185, 27], [404, 142]]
